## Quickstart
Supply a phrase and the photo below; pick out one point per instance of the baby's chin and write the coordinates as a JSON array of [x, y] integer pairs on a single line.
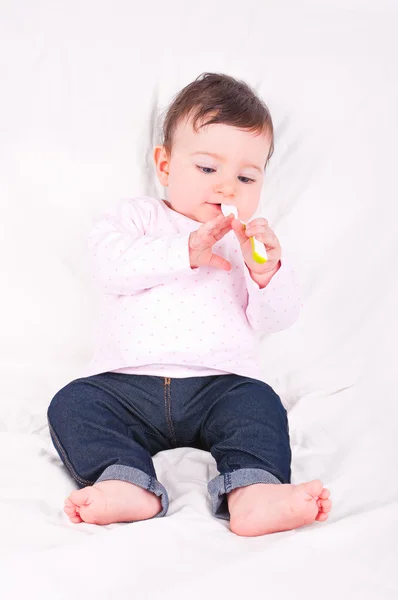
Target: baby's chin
[[203, 212], [215, 208], [206, 212]]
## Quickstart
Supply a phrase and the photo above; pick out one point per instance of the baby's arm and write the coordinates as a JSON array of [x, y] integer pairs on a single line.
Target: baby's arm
[[273, 294], [276, 306], [125, 259]]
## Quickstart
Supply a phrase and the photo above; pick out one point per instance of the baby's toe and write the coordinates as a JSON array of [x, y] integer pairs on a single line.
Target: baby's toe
[[313, 488], [71, 510], [321, 516], [81, 497], [69, 506], [326, 505], [325, 494], [75, 519]]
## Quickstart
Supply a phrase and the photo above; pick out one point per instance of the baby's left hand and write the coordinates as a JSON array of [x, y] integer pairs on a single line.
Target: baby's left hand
[[260, 229]]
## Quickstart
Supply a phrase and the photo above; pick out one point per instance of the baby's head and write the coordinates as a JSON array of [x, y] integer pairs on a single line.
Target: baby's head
[[218, 138]]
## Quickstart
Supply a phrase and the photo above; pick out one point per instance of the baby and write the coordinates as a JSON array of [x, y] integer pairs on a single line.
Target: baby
[[176, 361]]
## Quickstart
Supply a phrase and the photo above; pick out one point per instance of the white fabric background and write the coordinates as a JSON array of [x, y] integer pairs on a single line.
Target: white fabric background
[[82, 87]]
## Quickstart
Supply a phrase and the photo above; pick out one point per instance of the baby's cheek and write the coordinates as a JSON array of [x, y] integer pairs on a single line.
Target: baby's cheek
[[182, 193], [206, 193], [196, 191]]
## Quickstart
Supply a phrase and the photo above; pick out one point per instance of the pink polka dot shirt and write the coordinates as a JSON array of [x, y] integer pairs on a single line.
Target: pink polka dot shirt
[[160, 317]]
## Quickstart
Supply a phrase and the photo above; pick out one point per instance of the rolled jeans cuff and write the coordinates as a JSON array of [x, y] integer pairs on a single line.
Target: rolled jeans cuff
[[138, 477], [221, 485]]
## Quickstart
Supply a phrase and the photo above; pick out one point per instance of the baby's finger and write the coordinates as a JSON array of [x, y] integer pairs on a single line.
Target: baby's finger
[[205, 233], [259, 221], [268, 238], [213, 226], [207, 229], [219, 262], [258, 230], [223, 232], [239, 230], [208, 238]]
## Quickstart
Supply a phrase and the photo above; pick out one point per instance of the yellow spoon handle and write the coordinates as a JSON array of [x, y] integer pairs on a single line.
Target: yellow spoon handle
[[259, 253]]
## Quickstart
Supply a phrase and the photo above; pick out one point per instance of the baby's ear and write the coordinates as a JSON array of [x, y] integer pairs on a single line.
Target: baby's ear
[[161, 157]]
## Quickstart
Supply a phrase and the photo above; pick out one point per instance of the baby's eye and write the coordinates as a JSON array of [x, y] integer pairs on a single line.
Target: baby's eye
[[206, 169], [245, 179]]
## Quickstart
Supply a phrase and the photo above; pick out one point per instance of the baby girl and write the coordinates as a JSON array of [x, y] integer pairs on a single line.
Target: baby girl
[[184, 301]]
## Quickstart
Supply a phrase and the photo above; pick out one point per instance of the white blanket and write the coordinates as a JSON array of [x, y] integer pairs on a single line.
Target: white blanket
[[83, 84]]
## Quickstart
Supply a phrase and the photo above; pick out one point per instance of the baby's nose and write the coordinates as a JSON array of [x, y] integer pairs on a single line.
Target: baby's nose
[[226, 188]]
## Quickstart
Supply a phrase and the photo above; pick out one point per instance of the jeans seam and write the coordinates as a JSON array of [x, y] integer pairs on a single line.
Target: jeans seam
[[66, 460], [167, 402]]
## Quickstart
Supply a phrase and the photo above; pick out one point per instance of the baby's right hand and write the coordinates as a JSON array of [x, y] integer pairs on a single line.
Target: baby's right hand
[[202, 241]]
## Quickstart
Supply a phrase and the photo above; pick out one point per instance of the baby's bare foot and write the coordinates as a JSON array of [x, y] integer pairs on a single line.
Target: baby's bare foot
[[111, 501], [267, 508]]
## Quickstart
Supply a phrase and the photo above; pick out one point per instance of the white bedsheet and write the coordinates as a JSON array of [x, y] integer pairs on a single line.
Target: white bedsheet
[[83, 84]]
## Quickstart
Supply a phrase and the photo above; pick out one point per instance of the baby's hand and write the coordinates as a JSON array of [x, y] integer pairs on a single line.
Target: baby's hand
[[202, 241], [262, 232]]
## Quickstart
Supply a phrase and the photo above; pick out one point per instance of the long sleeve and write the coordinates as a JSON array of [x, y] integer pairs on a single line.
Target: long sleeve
[[275, 307], [162, 318], [126, 259]]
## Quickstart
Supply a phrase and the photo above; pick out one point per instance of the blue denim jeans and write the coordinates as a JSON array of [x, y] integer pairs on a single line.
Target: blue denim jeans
[[108, 426]]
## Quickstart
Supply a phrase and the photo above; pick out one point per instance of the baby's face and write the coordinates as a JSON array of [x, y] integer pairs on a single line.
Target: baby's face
[[218, 165]]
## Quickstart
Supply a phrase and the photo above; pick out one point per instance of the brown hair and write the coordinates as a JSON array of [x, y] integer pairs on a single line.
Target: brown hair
[[222, 99]]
